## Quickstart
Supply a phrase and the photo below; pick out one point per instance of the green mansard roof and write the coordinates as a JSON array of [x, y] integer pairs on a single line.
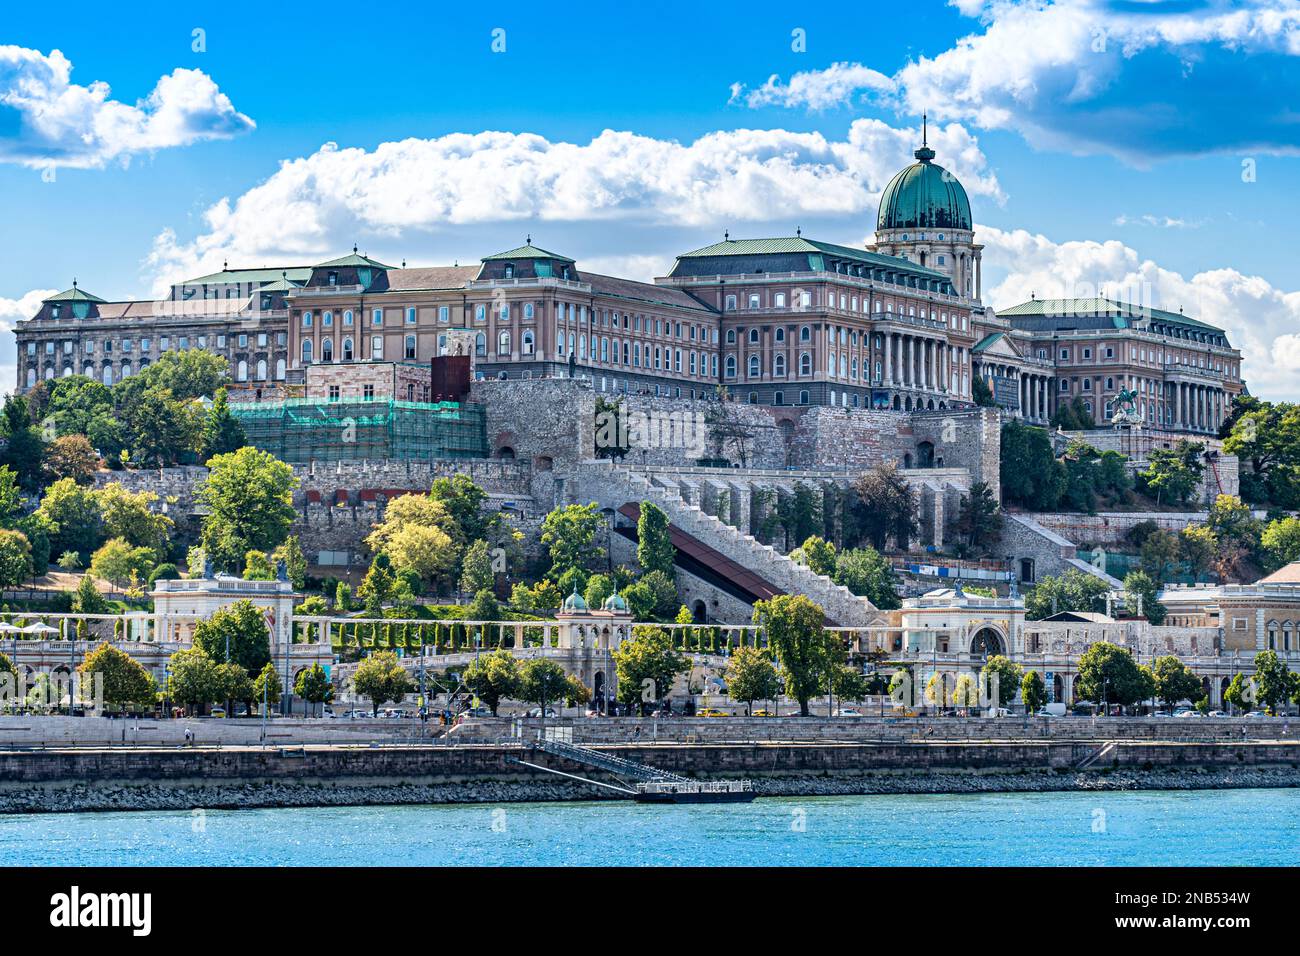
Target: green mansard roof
[[527, 251], [1120, 313], [73, 295], [360, 262], [787, 245]]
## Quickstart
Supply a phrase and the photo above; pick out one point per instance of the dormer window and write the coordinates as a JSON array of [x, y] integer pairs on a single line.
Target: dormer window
[[510, 270], [333, 278], [55, 310]]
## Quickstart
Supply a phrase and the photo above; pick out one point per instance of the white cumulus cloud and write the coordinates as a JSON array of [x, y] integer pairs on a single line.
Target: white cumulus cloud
[[405, 192], [837, 85], [1259, 318], [1135, 80], [47, 120]]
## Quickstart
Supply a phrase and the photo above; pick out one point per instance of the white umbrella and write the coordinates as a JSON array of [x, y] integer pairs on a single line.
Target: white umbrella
[[6, 627], [39, 628]]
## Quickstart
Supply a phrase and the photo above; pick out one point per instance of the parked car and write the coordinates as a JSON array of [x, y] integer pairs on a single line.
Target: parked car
[[218, 712], [711, 712], [848, 712], [534, 712], [1216, 713], [1256, 715], [763, 713]]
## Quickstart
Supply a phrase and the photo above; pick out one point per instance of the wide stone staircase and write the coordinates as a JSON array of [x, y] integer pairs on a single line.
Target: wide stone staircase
[[614, 485]]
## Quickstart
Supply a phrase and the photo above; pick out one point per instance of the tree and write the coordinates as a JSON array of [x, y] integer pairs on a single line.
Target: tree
[[222, 431], [1281, 542], [1140, 592], [249, 497], [751, 676], [570, 535], [1265, 437], [819, 555], [796, 633], [663, 590], [377, 587], [428, 552], [125, 680], [381, 678], [267, 685], [654, 548], [11, 497], [1072, 416], [543, 682], [484, 607], [868, 573], [71, 456], [981, 393], [24, 450], [313, 685], [611, 429], [493, 677], [1073, 591], [186, 373], [117, 561], [599, 587], [131, 515], [234, 684], [1009, 678], [15, 558], [1109, 674], [1197, 546], [257, 567], [476, 568], [193, 678], [463, 502], [1241, 692], [1173, 474], [87, 599], [74, 515], [886, 507], [1030, 474], [1274, 683], [69, 561], [1033, 692], [979, 519], [647, 665], [295, 562], [239, 627], [1175, 681], [1161, 551]]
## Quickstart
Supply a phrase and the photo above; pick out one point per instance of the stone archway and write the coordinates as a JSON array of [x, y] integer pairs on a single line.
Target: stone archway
[[986, 643]]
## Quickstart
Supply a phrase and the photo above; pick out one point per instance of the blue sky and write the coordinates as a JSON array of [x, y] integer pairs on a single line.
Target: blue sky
[[1102, 142]]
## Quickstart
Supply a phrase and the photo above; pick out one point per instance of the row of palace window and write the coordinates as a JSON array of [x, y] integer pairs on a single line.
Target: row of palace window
[[636, 354], [1065, 354], [847, 303], [108, 375], [126, 346]]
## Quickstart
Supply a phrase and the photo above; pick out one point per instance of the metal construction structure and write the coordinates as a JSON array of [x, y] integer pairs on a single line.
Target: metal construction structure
[[300, 430]]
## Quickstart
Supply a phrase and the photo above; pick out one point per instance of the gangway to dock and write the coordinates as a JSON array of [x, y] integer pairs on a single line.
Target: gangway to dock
[[641, 782]]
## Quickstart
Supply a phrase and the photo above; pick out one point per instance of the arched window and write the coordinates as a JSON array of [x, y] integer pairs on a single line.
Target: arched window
[[480, 344], [327, 319], [503, 342], [753, 336], [261, 370], [126, 369], [526, 343], [805, 333], [241, 371], [731, 336], [347, 317], [780, 329], [731, 366], [279, 369], [755, 366], [347, 350], [306, 352], [778, 364], [327, 350], [805, 363], [410, 346], [108, 374], [31, 375]]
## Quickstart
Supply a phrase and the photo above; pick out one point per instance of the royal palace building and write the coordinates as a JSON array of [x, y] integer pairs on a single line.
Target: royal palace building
[[897, 324]]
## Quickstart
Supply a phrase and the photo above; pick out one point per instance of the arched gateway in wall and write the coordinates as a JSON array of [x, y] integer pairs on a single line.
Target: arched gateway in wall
[[986, 643]]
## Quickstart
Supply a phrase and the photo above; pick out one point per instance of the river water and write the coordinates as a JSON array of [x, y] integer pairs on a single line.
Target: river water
[[1156, 828]]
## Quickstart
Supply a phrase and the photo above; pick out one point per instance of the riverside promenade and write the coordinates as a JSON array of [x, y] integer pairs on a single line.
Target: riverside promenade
[[56, 764]]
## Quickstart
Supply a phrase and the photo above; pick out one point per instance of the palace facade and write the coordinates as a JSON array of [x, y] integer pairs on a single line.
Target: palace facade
[[786, 321]]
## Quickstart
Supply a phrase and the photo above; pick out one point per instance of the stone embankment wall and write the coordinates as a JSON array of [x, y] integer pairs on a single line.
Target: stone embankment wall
[[125, 779], [1110, 529]]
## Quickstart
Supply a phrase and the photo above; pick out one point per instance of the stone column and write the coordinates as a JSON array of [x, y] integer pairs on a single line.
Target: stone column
[[889, 358]]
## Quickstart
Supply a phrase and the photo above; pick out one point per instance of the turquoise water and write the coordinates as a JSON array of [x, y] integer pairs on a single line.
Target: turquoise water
[[1155, 828]]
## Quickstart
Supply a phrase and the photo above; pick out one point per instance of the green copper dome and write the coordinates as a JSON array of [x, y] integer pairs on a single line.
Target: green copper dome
[[924, 196], [574, 601], [615, 602]]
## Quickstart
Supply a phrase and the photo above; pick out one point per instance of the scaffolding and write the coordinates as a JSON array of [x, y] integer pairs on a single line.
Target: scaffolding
[[301, 430]]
